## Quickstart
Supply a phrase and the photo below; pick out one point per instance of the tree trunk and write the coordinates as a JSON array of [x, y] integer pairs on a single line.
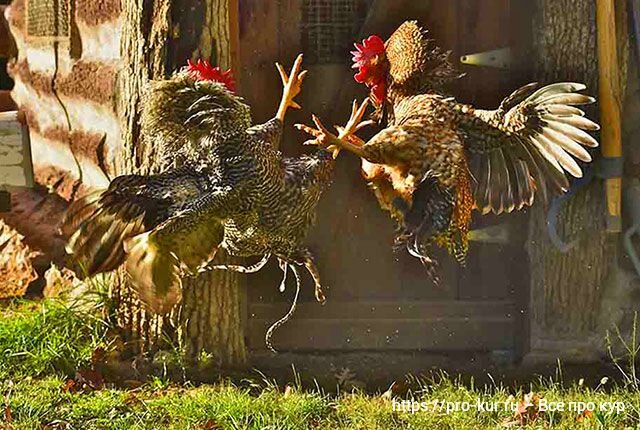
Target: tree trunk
[[158, 36], [566, 288]]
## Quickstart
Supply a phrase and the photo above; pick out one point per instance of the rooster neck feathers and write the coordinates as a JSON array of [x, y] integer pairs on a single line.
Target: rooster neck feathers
[[408, 63]]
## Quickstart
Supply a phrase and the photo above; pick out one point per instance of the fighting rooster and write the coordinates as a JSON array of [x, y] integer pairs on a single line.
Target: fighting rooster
[[437, 159], [224, 184]]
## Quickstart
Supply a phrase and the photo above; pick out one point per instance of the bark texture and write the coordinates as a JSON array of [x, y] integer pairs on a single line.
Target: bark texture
[[158, 36], [566, 288]]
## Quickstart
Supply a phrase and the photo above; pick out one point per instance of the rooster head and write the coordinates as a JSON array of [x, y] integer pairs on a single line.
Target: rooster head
[[373, 67], [203, 71]]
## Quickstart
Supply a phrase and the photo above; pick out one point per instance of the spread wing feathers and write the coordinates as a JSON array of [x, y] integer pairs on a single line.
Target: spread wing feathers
[[157, 260], [528, 144], [97, 225], [177, 112]]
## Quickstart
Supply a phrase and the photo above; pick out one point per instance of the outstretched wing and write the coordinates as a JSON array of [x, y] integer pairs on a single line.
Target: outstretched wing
[[97, 225], [156, 259], [178, 112], [528, 144]]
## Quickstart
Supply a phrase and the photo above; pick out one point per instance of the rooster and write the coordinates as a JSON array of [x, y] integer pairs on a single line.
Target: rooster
[[437, 159], [223, 185]]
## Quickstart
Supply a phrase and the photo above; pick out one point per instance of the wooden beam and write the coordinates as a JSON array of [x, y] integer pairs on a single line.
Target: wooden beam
[[610, 98], [401, 325]]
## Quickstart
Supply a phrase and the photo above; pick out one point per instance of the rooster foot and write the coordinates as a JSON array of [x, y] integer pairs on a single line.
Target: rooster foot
[[346, 138], [292, 86]]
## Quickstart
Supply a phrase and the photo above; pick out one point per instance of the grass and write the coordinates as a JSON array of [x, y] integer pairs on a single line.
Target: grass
[[33, 404], [43, 343], [38, 338]]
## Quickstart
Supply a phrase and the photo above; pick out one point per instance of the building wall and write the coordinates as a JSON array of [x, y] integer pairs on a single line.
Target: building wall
[[67, 92]]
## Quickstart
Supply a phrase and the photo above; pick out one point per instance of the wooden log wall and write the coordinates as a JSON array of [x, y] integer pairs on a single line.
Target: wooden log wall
[[67, 92]]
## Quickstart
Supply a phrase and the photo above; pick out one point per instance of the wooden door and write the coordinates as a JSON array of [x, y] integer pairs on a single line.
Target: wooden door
[[378, 299]]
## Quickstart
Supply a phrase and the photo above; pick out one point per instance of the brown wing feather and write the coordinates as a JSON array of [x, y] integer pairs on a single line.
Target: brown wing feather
[[528, 144], [97, 225]]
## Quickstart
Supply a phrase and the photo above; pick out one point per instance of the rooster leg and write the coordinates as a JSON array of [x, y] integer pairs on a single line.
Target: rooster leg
[[292, 85], [237, 268], [311, 267], [284, 266], [346, 138], [276, 325]]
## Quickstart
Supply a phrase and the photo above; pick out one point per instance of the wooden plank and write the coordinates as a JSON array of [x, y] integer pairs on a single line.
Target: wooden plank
[[259, 48], [434, 326], [492, 270], [387, 310], [5, 201], [610, 98], [372, 291], [426, 334]]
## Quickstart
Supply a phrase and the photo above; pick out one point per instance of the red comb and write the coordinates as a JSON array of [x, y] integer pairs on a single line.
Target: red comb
[[365, 51], [203, 71], [370, 72]]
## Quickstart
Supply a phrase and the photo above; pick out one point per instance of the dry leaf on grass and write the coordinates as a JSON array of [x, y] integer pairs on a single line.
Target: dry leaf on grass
[[16, 269]]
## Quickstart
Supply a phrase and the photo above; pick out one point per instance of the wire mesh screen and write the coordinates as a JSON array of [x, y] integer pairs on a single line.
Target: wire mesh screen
[[48, 19], [329, 28]]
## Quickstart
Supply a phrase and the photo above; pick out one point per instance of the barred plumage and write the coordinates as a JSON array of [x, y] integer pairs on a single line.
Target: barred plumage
[[224, 184]]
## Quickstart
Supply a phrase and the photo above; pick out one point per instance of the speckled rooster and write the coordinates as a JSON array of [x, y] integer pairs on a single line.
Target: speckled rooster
[[224, 184], [437, 159]]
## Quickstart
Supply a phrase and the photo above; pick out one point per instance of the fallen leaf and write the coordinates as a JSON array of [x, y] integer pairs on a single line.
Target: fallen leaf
[[211, 424], [89, 379], [7, 415], [585, 415], [528, 409], [132, 400], [70, 386], [84, 380]]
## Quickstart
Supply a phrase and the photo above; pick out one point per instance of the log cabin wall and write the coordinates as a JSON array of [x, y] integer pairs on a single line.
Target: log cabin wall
[[65, 87]]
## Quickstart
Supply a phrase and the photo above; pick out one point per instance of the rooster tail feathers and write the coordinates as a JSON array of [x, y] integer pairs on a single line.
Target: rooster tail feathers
[[157, 260], [154, 272], [541, 133], [95, 231]]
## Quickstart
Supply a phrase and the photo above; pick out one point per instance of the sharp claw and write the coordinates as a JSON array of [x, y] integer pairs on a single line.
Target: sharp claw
[[283, 74], [319, 124], [296, 65], [364, 124], [362, 109], [311, 131]]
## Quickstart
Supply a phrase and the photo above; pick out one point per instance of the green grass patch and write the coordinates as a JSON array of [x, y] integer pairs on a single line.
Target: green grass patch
[[47, 337], [34, 404], [42, 343]]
